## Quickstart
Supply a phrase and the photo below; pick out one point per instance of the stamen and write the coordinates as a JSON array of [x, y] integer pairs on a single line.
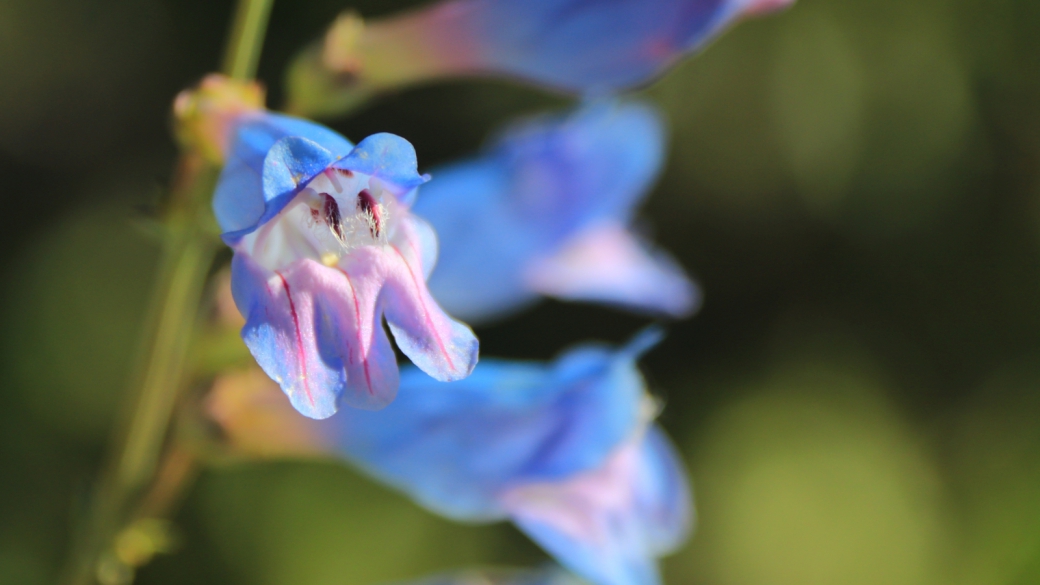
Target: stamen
[[370, 207], [330, 212], [333, 178]]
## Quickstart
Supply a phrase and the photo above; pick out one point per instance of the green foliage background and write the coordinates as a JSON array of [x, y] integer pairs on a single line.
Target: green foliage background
[[854, 183]]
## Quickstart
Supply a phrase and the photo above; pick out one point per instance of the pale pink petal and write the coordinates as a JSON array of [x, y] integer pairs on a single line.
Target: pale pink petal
[[610, 524], [442, 347], [608, 263]]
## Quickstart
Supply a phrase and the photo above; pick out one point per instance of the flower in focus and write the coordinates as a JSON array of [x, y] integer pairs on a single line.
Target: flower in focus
[[570, 45], [546, 210], [325, 246], [566, 450]]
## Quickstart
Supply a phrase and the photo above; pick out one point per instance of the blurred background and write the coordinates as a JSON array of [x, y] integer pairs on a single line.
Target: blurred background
[[855, 185]]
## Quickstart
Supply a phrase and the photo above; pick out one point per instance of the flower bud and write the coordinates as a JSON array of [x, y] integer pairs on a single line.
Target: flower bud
[[205, 115]]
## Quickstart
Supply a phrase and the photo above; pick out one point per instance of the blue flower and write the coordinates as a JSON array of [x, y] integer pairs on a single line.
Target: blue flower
[[576, 46], [325, 246], [565, 450], [543, 576], [546, 210]]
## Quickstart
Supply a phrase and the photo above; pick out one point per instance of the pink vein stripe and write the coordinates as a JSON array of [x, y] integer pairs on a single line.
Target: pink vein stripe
[[357, 318], [426, 311], [301, 360]]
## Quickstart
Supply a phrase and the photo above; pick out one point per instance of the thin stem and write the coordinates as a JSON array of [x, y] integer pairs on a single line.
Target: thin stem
[[188, 260], [187, 257], [246, 40], [177, 472]]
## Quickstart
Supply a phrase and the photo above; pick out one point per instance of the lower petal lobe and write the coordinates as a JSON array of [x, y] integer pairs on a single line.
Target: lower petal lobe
[[442, 347], [315, 332], [611, 524]]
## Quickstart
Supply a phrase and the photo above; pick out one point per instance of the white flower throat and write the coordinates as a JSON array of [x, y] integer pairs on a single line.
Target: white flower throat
[[338, 211]]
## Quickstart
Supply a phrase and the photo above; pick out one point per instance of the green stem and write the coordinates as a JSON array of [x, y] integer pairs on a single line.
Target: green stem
[[179, 294], [187, 257], [246, 40]]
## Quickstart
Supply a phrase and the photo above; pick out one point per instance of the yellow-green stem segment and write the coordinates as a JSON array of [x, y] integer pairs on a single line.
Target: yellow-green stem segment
[[246, 39], [188, 253]]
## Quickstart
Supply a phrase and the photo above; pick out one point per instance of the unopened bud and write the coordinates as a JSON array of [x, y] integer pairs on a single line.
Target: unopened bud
[[205, 115]]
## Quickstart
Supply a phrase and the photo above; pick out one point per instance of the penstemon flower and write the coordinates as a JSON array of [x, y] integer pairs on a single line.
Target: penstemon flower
[[566, 450], [546, 211], [325, 246], [568, 45]]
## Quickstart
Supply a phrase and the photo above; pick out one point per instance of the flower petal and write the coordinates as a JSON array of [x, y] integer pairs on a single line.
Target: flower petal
[[756, 7], [544, 181], [550, 575], [589, 47], [372, 374], [608, 264], [240, 202], [666, 500], [442, 347], [315, 334], [387, 157], [596, 162], [427, 242], [481, 243], [280, 333], [609, 525]]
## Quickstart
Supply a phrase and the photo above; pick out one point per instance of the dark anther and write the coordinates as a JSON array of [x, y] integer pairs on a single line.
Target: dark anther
[[330, 211], [368, 205]]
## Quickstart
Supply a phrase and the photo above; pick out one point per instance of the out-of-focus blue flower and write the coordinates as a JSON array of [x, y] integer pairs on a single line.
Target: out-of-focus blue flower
[[610, 524], [546, 210], [566, 450], [325, 246], [545, 576], [578, 46]]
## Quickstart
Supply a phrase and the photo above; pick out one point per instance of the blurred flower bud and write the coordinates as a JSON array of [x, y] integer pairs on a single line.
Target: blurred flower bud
[[204, 115], [258, 419], [566, 45]]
